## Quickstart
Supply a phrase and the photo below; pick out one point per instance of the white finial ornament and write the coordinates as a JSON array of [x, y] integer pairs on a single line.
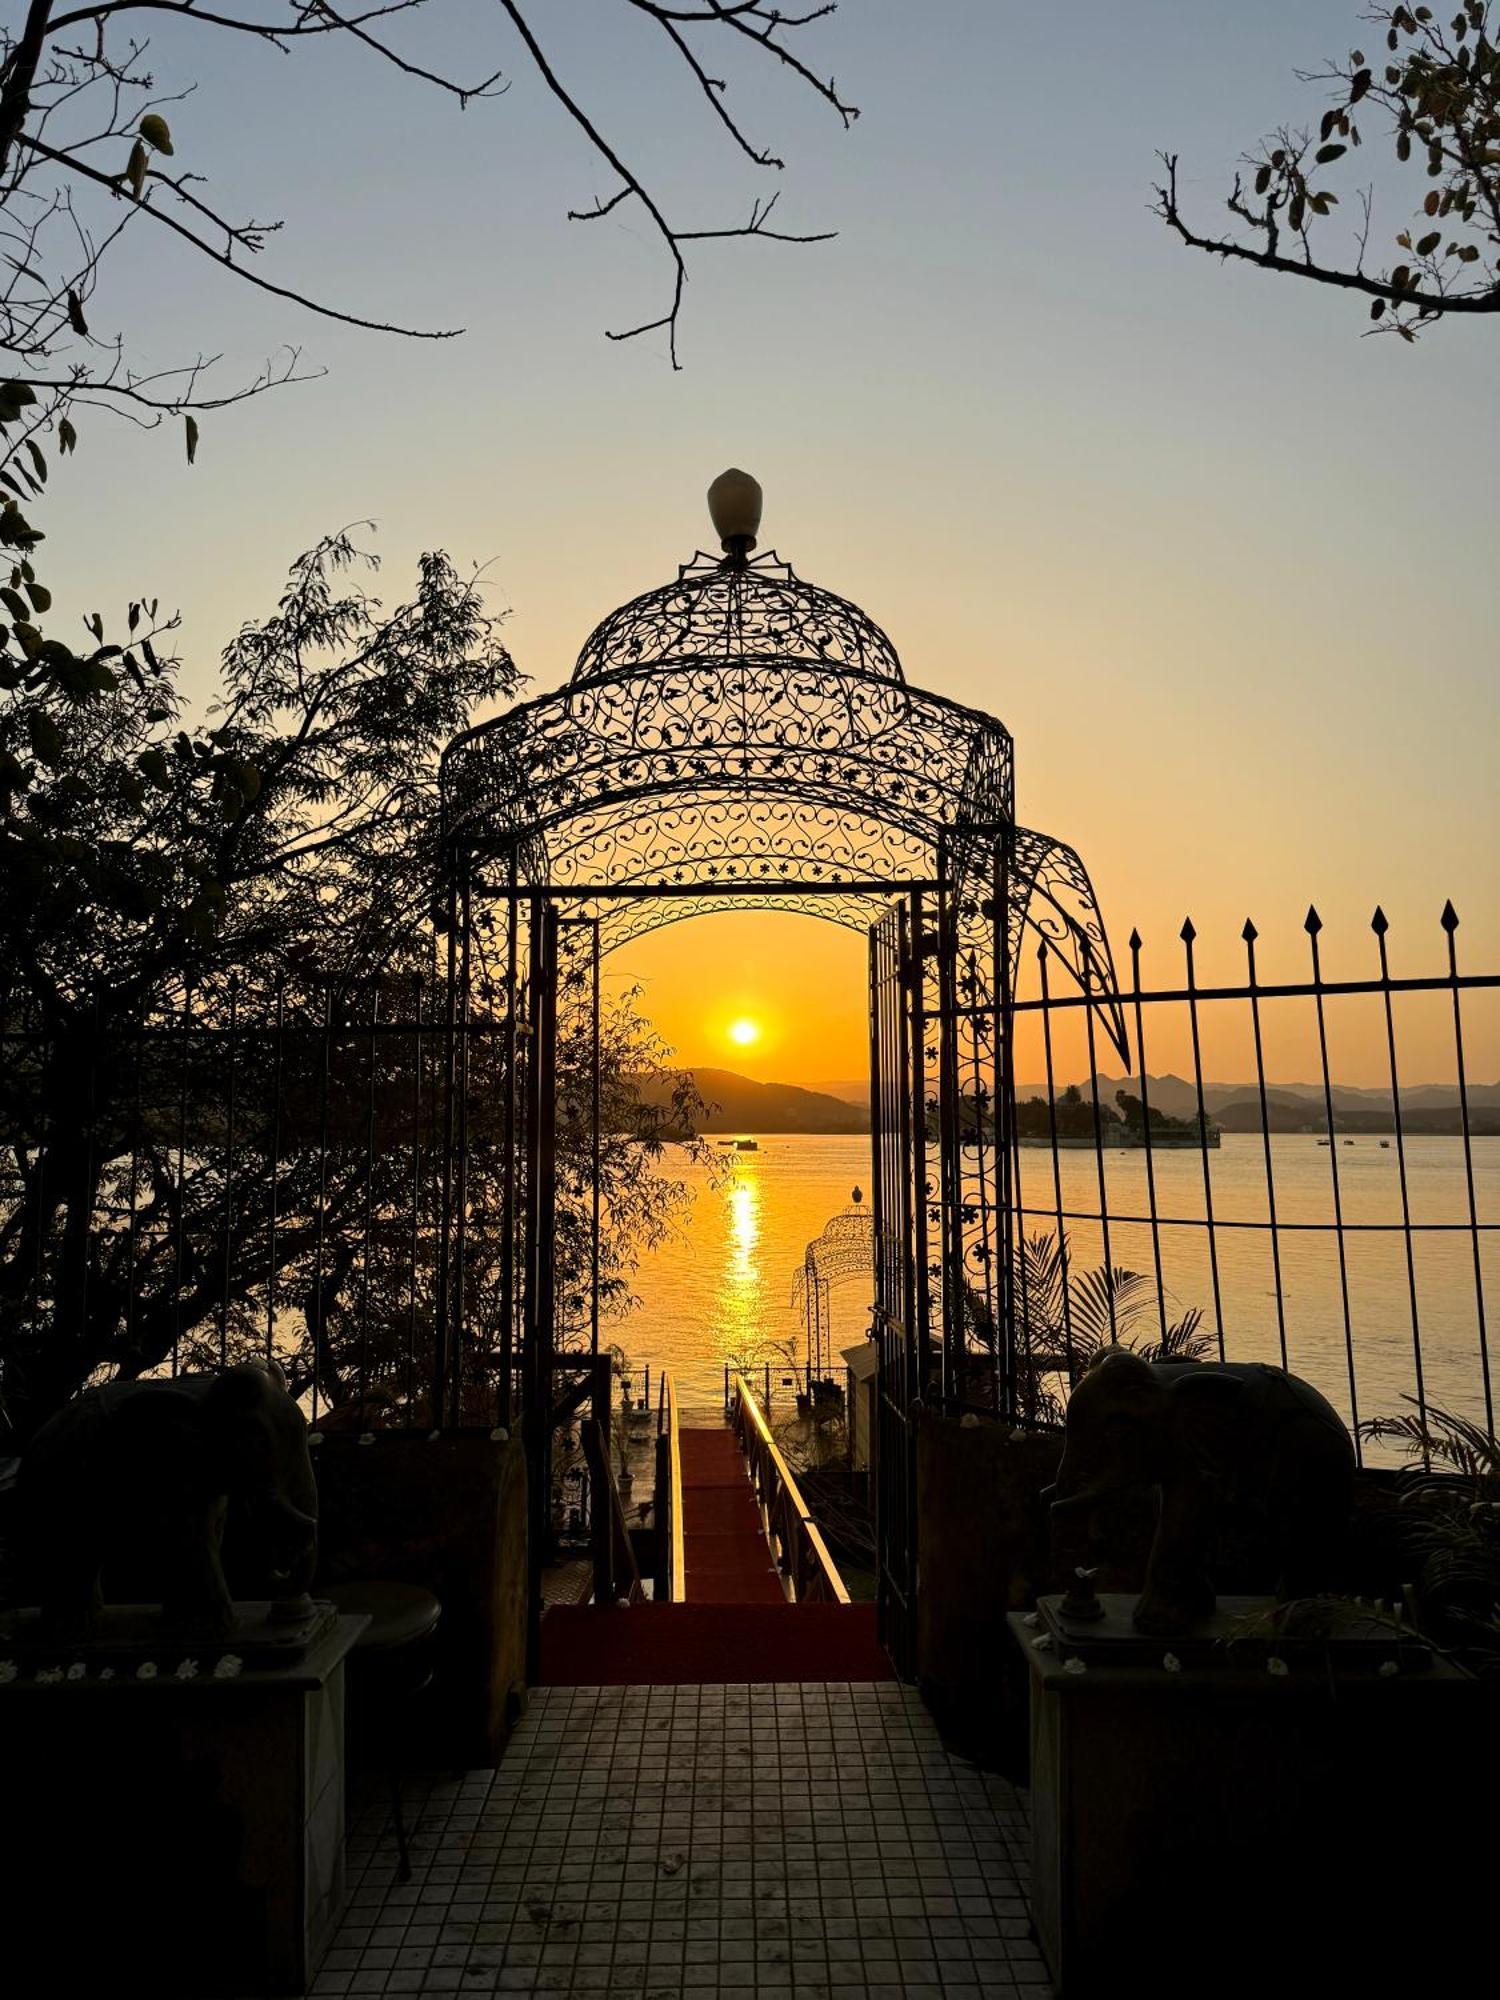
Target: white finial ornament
[[734, 504]]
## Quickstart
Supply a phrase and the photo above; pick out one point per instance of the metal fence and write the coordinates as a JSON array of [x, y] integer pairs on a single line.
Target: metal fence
[[267, 1169], [261, 1171], [1350, 1234]]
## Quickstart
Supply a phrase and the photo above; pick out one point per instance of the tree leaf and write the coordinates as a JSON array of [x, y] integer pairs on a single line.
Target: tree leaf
[[154, 130], [135, 168], [75, 314], [46, 739], [190, 423], [1331, 152]]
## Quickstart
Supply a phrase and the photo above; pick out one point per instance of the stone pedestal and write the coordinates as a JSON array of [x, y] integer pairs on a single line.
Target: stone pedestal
[[1212, 1817], [170, 1831]]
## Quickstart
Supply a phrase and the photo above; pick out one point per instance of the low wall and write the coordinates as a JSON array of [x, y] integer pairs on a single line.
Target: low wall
[[986, 1546], [983, 1549], [447, 1511]]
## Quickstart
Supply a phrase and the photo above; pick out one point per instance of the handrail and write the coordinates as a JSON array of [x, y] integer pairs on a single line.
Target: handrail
[[671, 1574], [613, 1552], [808, 1572]]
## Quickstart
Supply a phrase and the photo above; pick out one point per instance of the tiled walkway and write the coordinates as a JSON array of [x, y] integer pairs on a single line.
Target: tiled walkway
[[812, 1841]]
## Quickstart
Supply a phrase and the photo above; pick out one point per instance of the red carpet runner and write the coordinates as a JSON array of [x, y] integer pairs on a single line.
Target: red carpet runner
[[736, 1625], [727, 1557]]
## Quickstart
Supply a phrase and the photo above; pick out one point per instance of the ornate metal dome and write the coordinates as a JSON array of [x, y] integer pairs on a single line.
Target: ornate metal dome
[[726, 612], [740, 730]]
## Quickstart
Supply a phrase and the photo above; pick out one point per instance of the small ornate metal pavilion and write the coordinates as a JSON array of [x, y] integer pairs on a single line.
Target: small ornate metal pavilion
[[741, 734]]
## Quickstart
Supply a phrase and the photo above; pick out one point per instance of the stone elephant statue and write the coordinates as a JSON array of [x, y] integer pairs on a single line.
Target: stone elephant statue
[[1230, 1445], [139, 1479]]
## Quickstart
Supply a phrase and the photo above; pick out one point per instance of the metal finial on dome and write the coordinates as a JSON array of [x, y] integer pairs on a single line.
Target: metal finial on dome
[[734, 505]]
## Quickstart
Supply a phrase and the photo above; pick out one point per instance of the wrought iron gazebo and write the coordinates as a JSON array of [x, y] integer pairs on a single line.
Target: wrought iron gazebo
[[739, 733], [842, 1252]]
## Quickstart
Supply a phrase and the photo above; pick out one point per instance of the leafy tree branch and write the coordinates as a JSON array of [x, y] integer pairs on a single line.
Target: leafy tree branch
[[1438, 94]]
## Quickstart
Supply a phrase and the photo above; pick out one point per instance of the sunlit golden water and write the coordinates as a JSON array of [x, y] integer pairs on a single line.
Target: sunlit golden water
[[721, 1290]]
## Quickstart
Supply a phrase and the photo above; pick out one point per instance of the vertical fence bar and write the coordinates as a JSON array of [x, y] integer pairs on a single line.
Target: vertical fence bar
[[273, 1220], [179, 1253], [133, 1197], [44, 1058], [439, 1376], [319, 1303], [458, 1327], [953, 1361], [1088, 1022], [1140, 1063], [372, 1045], [1313, 924], [877, 1178], [922, 1299], [1008, 1277], [1249, 934], [1187, 934], [508, 1163], [90, 1168], [1380, 925], [1043, 952], [1449, 921], [596, 1159], [229, 1139], [416, 1195], [986, 1244]]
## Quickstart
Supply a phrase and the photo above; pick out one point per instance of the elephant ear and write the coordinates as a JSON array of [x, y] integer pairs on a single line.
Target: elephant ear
[[1209, 1413], [237, 1430]]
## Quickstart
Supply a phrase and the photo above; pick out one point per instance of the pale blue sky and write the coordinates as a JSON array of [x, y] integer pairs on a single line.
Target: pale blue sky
[[1224, 568]]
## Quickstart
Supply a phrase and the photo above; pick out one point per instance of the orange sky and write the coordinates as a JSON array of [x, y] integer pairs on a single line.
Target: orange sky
[[803, 983], [1223, 566]]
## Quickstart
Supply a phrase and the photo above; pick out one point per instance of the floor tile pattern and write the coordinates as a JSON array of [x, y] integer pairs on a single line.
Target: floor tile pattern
[[812, 1841]]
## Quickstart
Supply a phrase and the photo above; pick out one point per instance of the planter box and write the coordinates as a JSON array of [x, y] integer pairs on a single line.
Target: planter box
[[446, 1511], [171, 1836], [983, 1550], [1223, 1829]]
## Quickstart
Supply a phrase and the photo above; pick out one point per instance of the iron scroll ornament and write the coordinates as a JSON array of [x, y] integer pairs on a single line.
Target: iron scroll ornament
[[740, 729]]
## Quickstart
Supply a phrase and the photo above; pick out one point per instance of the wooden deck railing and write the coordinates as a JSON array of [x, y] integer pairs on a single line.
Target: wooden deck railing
[[808, 1573], [671, 1568]]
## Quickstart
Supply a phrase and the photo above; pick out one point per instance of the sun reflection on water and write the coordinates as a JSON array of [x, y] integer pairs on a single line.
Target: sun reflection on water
[[740, 1291]]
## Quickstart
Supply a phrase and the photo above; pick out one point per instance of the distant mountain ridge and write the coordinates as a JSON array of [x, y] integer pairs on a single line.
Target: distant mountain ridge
[[1431, 1108], [740, 1104]]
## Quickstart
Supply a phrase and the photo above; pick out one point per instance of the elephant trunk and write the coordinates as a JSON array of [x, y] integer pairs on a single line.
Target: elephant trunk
[[281, 1511], [1064, 1505]]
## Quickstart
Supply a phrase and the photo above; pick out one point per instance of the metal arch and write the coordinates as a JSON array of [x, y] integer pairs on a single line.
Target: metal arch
[[1052, 898], [621, 922], [844, 1250], [741, 734], [650, 739]]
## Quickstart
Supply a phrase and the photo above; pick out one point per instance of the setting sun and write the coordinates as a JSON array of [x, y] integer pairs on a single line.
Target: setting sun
[[743, 1032]]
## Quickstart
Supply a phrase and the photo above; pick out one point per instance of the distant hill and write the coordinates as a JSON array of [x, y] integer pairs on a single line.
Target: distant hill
[[739, 1104], [1299, 1107], [852, 1090]]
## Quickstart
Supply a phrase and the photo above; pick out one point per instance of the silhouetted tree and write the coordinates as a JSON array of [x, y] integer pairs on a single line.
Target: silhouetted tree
[[1436, 89]]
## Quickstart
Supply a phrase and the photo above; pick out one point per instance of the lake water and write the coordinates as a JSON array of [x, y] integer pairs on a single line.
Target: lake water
[[721, 1289]]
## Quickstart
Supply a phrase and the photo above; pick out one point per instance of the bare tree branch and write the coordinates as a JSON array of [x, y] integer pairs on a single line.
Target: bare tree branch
[[762, 24]]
